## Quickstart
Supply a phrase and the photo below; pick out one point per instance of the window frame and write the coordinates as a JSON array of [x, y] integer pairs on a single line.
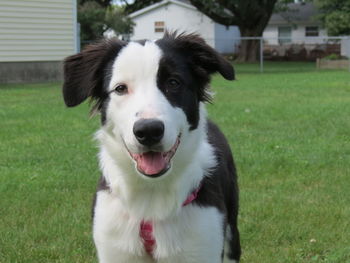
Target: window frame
[[312, 33], [159, 26], [287, 40]]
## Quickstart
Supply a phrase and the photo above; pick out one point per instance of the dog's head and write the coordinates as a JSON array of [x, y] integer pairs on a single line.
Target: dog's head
[[148, 92]]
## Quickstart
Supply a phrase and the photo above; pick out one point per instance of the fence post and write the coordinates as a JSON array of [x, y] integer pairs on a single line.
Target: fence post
[[261, 55]]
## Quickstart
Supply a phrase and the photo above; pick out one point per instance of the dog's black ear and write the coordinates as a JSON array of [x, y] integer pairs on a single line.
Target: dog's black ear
[[84, 72], [203, 57]]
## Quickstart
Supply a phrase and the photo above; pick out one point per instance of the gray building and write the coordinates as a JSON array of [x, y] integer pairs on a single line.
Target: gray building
[[35, 36]]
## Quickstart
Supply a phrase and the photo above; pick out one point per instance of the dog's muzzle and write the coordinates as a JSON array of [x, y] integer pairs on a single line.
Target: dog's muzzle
[[155, 163]]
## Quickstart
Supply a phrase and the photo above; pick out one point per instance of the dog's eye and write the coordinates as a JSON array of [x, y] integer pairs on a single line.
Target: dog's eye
[[121, 89], [173, 84]]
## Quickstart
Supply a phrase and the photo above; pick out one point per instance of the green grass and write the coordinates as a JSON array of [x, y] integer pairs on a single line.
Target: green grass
[[290, 133]]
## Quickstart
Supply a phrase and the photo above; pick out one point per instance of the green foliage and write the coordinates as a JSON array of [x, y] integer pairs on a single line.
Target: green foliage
[[237, 12], [91, 17], [282, 5], [335, 16], [95, 18], [138, 4], [289, 132], [117, 20], [103, 3], [338, 23], [333, 57], [251, 16]]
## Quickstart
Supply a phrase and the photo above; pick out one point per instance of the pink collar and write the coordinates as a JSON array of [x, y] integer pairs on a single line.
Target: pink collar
[[146, 227]]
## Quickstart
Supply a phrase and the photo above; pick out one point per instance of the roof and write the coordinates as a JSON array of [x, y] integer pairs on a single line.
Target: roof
[[297, 13], [183, 3]]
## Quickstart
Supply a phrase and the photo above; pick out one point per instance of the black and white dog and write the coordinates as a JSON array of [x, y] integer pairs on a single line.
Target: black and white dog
[[168, 191]]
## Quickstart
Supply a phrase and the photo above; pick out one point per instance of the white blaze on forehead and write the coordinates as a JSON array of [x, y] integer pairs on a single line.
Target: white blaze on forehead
[[136, 63]]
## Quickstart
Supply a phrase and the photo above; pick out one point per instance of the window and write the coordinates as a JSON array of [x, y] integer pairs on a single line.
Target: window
[[159, 26], [311, 31], [284, 34]]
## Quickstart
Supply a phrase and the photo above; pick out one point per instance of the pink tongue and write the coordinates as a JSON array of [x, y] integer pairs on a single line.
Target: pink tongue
[[151, 163]]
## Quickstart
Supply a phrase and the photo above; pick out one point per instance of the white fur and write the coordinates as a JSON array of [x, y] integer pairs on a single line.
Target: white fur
[[137, 67], [190, 236], [183, 234]]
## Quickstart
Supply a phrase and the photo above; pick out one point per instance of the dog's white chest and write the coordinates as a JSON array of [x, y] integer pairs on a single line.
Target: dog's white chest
[[194, 235]]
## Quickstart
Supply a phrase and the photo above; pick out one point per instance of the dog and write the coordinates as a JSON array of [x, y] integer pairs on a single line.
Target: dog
[[168, 191]]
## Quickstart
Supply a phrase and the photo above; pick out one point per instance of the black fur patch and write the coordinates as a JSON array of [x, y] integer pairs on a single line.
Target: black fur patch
[[173, 66], [190, 60], [103, 102], [220, 188], [85, 72]]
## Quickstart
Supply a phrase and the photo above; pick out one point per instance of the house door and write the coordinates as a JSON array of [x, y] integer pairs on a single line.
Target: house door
[[284, 34]]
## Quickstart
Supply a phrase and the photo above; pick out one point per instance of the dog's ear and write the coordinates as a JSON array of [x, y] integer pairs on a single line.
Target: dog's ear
[[202, 56], [84, 72]]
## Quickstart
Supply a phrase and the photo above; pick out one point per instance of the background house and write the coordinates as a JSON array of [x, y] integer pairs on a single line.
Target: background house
[[34, 38], [298, 24], [294, 34], [152, 21], [297, 34]]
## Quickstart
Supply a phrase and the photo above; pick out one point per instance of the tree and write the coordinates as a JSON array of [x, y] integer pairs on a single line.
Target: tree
[[96, 17], [91, 17], [335, 16], [137, 5], [251, 17], [102, 3], [117, 20]]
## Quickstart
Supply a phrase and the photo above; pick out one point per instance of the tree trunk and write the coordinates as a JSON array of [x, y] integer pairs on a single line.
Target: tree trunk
[[251, 16], [249, 48]]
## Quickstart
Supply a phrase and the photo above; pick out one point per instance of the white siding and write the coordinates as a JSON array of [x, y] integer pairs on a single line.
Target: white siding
[[176, 17], [298, 35], [38, 30], [271, 35]]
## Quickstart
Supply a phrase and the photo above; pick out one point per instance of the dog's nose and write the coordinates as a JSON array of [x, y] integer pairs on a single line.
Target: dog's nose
[[148, 131]]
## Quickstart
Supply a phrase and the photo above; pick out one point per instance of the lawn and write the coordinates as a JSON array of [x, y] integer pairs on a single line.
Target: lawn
[[290, 133]]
